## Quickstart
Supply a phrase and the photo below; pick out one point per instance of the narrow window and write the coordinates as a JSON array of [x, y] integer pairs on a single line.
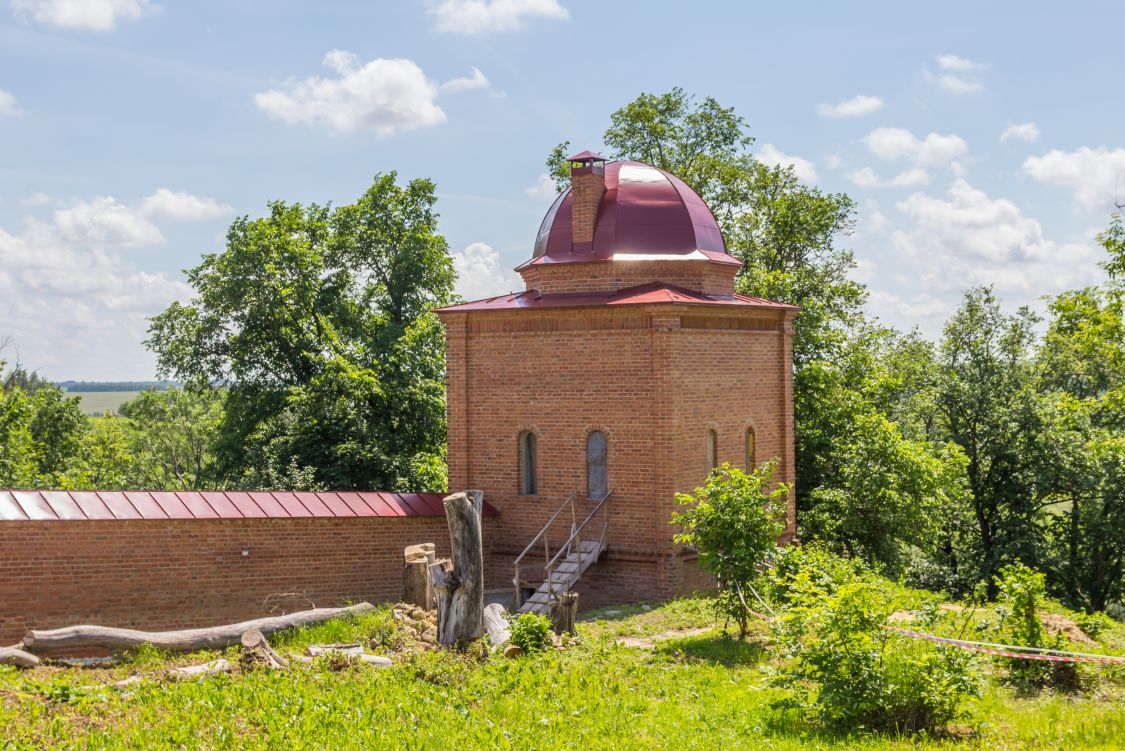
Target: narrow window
[[597, 473], [750, 463], [528, 482], [712, 450]]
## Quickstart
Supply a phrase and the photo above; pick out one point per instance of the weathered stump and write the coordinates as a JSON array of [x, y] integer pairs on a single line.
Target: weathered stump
[[459, 583], [417, 587], [564, 612], [257, 652]]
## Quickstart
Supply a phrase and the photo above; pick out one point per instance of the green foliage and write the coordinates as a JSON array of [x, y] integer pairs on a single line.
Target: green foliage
[[531, 632], [734, 521], [849, 674], [176, 429], [807, 574], [317, 319], [1021, 592]]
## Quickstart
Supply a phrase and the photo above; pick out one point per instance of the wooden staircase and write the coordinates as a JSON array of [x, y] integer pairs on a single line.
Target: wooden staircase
[[571, 559], [565, 576]]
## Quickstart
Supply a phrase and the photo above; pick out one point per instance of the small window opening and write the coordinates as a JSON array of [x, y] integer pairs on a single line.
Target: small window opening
[[597, 469], [751, 463], [528, 480], [712, 450]]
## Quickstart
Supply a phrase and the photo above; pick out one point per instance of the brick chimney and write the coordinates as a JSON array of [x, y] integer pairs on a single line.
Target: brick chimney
[[587, 185]]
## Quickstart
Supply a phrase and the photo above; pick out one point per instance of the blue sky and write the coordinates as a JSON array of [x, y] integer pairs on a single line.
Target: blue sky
[[982, 141]]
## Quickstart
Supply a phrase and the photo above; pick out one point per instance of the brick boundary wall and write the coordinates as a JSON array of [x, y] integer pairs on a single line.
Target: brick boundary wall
[[166, 574]]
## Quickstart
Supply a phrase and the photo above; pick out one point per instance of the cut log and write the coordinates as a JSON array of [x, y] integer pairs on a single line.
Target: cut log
[[257, 652], [17, 657], [178, 674], [417, 589], [564, 612], [186, 640], [500, 630], [459, 583], [354, 651]]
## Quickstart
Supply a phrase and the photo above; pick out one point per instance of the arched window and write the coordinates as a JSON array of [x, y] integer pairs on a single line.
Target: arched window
[[597, 470], [712, 449], [750, 462], [528, 482]]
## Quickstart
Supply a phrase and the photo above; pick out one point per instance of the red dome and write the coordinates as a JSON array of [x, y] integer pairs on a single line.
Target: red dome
[[645, 211]]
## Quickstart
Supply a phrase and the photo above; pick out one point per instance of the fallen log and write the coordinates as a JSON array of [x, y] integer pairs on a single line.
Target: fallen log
[[257, 652], [499, 630], [417, 588], [186, 640], [178, 674], [459, 583], [17, 657], [352, 651]]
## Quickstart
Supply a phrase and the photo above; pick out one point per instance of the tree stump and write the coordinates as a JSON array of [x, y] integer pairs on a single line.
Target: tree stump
[[257, 652], [564, 612], [459, 583], [417, 588]]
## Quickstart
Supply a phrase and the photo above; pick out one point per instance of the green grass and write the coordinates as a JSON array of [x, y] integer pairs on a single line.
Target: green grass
[[100, 402], [706, 691]]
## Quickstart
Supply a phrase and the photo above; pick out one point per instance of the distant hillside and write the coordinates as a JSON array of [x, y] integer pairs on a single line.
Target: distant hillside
[[93, 386]]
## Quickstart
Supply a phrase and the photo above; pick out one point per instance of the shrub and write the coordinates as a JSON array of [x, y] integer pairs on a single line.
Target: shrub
[[849, 674], [1021, 593], [531, 632], [807, 573], [734, 521]]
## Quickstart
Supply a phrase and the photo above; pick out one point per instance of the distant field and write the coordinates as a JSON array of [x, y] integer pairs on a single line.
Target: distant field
[[99, 402]]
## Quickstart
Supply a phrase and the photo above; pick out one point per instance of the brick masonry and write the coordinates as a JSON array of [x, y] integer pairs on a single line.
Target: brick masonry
[[184, 573], [655, 379]]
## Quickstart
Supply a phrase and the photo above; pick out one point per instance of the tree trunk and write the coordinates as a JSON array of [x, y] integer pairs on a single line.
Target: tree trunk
[[459, 583], [417, 589], [499, 630], [186, 640], [564, 612], [17, 657], [257, 652]]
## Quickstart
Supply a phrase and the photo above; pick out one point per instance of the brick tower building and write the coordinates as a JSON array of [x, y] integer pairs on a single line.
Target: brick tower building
[[626, 371]]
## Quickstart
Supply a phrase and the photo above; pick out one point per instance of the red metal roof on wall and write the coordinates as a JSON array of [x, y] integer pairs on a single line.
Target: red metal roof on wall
[[656, 293], [66, 505]]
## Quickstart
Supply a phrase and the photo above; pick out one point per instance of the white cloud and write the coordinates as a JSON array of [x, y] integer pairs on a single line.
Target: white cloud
[[896, 143], [474, 81], [35, 200], [382, 96], [1097, 176], [544, 187], [481, 274], [954, 80], [8, 104], [959, 64], [857, 106], [484, 16], [75, 310], [969, 238], [803, 168], [183, 207], [921, 306], [911, 178], [1024, 131], [91, 15], [102, 220]]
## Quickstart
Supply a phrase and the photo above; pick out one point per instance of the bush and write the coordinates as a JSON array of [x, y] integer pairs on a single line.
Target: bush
[[531, 632], [734, 521], [1021, 593], [808, 573], [849, 674]]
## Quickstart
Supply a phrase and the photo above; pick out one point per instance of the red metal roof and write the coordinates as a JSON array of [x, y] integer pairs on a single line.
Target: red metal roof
[[645, 210], [646, 294], [65, 505]]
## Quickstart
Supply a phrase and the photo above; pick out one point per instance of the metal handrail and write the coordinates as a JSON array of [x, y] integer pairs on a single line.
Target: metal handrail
[[564, 550]]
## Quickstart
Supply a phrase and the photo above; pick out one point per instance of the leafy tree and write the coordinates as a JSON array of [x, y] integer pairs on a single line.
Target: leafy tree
[[316, 319], [175, 430], [19, 454], [990, 407], [734, 521]]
